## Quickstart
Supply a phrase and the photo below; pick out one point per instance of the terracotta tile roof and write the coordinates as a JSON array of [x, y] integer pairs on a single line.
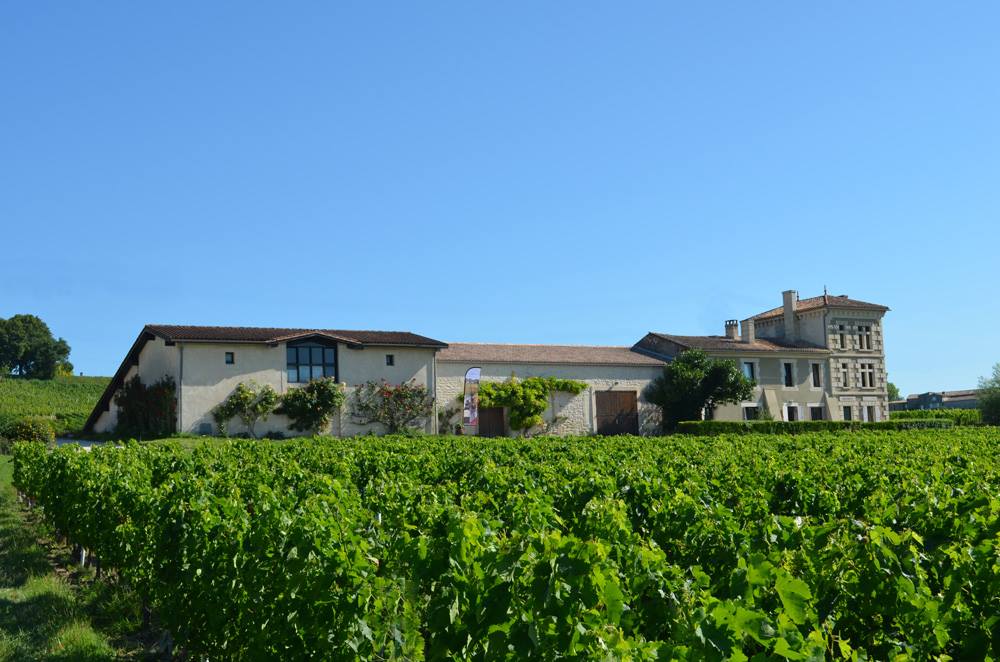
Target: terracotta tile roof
[[968, 393], [724, 344], [251, 334], [813, 303], [552, 354]]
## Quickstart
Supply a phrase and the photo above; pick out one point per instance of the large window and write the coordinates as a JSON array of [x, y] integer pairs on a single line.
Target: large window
[[307, 362]]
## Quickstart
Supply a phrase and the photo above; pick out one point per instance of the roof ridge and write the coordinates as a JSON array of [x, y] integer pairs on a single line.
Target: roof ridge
[[522, 344]]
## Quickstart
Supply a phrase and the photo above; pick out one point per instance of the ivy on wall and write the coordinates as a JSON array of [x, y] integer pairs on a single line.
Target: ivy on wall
[[147, 411], [526, 400]]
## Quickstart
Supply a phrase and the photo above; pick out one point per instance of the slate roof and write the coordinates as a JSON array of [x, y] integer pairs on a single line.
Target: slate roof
[[253, 334], [813, 303], [550, 354]]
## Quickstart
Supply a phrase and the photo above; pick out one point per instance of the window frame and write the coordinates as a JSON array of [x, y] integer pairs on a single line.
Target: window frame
[[789, 407], [390, 360], [755, 367], [785, 375], [816, 374], [865, 337], [328, 363], [813, 406], [867, 375], [229, 358]]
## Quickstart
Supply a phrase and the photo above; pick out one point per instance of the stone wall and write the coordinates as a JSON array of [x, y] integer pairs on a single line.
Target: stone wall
[[567, 414]]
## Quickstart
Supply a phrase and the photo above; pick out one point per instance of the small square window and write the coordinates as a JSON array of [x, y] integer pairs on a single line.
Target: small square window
[[230, 358], [390, 359]]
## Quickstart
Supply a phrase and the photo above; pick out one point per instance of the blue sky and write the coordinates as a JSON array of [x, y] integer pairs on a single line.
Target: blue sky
[[509, 172]]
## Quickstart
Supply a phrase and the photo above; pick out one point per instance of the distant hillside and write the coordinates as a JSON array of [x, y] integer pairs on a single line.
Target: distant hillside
[[69, 399]]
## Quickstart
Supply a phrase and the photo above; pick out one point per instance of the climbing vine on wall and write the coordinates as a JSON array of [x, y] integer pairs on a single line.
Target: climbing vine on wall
[[525, 399], [147, 411]]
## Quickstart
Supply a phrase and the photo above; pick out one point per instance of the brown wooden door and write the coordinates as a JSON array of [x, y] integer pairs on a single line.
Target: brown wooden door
[[491, 423], [617, 412]]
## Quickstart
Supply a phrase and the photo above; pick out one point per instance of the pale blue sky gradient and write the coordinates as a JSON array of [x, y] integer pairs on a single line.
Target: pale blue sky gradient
[[514, 172]]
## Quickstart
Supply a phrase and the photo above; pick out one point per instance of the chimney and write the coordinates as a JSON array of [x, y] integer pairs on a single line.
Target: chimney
[[731, 332], [748, 331], [791, 301]]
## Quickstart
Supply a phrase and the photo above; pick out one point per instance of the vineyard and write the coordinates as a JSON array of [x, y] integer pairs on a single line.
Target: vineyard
[[831, 545], [66, 400]]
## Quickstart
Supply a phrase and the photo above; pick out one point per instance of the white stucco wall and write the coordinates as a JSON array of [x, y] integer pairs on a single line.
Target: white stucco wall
[[567, 414]]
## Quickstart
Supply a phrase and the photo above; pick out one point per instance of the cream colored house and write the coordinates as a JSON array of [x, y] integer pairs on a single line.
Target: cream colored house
[[206, 363], [817, 358]]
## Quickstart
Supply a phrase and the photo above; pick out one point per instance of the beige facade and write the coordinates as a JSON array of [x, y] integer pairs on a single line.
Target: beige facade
[[206, 373], [833, 347]]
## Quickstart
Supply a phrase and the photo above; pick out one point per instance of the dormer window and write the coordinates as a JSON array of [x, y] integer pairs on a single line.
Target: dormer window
[[310, 361]]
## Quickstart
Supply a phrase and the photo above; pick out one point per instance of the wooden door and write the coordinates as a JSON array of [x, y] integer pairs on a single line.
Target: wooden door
[[617, 412], [491, 423]]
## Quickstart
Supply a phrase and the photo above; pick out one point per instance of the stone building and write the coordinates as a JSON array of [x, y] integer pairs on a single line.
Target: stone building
[[816, 358]]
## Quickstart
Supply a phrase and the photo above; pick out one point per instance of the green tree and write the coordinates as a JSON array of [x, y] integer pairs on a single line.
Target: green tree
[[989, 397], [28, 348], [250, 402], [694, 382], [893, 392]]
